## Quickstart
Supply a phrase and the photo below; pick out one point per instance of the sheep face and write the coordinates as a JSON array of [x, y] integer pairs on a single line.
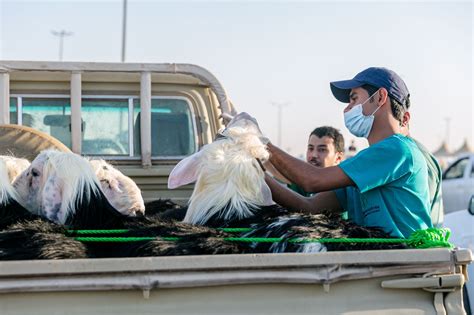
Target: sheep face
[[28, 185], [121, 191], [53, 183], [229, 180]]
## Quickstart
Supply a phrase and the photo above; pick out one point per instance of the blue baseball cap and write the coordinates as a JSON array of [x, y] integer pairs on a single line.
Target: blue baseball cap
[[378, 77]]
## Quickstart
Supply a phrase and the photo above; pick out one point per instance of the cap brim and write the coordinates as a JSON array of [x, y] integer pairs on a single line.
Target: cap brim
[[342, 89]]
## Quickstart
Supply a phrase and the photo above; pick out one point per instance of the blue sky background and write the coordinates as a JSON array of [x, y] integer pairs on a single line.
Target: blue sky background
[[274, 52]]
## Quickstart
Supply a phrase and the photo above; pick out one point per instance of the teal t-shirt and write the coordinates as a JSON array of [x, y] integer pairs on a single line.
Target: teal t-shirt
[[434, 182], [392, 189]]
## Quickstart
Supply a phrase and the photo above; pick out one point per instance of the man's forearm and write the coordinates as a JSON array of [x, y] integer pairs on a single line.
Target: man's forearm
[[286, 197], [290, 167], [305, 175]]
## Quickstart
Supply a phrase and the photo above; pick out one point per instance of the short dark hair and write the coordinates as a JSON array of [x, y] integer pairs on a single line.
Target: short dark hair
[[333, 133], [397, 109]]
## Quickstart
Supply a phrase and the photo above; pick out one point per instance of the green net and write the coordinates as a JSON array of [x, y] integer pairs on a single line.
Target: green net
[[429, 238]]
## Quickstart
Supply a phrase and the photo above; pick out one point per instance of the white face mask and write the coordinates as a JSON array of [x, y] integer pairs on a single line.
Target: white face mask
[[357, 123]]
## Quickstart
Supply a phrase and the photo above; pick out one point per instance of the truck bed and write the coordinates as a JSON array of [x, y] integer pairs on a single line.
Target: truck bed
[[328, 283]]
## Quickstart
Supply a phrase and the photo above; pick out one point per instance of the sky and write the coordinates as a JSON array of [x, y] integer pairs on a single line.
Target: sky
[[268, 53]]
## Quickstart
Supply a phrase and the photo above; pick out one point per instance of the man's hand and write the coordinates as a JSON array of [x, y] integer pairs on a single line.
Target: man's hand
[[245, 120]]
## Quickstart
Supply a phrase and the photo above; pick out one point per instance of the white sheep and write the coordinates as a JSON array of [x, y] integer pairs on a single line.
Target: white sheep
[[229, 179], [121, 191], [53, 184]]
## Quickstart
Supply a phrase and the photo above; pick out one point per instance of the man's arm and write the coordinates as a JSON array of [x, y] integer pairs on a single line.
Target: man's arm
[[272, 170], [308, 177], [291, 200]]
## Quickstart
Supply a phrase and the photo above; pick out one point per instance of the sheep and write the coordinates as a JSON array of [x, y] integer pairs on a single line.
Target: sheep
[[10, 210], [230, 183], [15, 166], [63, 188], [120, 190], [39, 239], [230, 191]]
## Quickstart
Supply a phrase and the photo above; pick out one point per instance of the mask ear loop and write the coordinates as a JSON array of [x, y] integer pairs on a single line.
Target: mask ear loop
[[377, 107]]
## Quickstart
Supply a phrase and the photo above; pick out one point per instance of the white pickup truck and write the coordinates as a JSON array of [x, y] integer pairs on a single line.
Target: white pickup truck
[[144, 118], [458, 183]]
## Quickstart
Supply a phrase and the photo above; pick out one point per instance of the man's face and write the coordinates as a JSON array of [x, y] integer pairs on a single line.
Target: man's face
[[359, 96], [321, 152]]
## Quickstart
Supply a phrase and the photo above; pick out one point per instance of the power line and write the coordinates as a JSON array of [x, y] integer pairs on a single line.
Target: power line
[[61, 34]]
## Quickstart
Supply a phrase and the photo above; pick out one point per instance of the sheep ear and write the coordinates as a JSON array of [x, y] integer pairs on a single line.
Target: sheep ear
[[52, 198], [185, 172], [267, 195]]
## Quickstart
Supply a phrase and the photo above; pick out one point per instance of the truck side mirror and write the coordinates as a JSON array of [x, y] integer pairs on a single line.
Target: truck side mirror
[[470, 206]]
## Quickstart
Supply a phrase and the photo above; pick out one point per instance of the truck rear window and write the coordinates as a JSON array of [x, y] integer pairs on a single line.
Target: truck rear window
[[111, 124]]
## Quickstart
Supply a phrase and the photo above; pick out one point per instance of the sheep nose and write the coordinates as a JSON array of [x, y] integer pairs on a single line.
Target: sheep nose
[[139, 213]]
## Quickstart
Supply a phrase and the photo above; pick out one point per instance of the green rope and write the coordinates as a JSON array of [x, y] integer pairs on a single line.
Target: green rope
[[235, 230], [86, 232], [428, 238], [431, 237], [125, 239], [123, 231]]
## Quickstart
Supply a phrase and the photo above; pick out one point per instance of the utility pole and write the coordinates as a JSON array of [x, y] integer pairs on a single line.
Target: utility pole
[[279, 125], [124, 29], [61, 34]]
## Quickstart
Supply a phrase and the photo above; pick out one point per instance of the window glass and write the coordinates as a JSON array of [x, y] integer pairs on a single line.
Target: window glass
[[172, 132], [13, 110], [105, 127], [52, 116], [457, 169]]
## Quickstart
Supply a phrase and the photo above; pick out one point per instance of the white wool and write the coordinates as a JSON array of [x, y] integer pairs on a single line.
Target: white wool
[[15, 166], [229, 175], [75, 175], [6, 188], [121, 191]]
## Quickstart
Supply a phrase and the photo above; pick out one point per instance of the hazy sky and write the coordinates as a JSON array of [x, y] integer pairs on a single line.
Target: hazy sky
[[275, 52]]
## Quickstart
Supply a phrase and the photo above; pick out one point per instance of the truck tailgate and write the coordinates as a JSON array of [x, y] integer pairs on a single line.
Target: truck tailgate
[[329, 283]]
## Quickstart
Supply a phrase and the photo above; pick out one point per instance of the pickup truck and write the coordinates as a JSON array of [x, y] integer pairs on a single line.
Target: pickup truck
[[458, 183], [144, 118]]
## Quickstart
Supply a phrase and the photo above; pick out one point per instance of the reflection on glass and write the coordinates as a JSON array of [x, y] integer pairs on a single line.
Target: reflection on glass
[[52, 116], [105, 127], [13, 110]]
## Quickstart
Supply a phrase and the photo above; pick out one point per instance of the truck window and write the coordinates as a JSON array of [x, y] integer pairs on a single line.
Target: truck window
[[49, 115], [172, 127], [111, 124], [105, 127], [13, 110], [457, 169]]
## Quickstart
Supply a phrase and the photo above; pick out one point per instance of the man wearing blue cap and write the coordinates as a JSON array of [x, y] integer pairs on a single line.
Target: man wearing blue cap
[[390, 176]]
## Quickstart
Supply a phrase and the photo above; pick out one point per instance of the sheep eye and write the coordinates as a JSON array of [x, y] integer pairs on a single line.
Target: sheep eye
[[34, 173]]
